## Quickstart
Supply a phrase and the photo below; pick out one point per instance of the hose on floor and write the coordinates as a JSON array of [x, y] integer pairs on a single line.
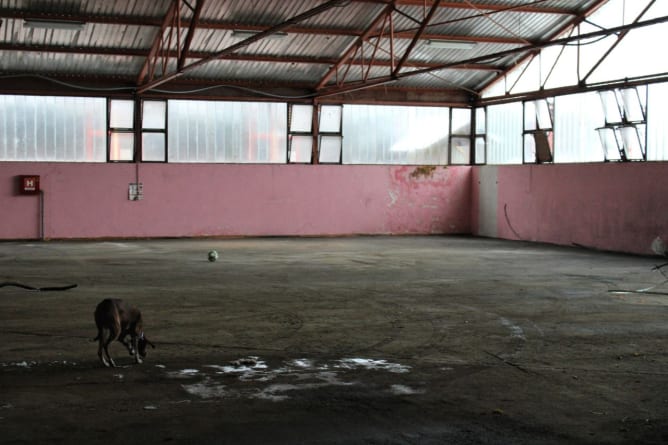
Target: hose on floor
[[38, 289]]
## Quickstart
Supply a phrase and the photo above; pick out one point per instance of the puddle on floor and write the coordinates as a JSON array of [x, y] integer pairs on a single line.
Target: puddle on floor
[[280, 383]]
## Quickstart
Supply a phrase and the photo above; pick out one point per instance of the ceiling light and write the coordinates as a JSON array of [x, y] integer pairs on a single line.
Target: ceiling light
[[244, 34], [451, 44], [53, 24]]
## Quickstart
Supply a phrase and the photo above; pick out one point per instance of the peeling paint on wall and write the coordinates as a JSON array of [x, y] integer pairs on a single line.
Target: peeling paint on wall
[[423, 171], [191, 200]]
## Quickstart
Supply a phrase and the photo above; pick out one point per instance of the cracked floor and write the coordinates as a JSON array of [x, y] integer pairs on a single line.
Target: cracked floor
[[362, 340]]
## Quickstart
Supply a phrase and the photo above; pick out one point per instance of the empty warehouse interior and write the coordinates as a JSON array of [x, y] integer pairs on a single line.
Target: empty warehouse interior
[[343, 221]]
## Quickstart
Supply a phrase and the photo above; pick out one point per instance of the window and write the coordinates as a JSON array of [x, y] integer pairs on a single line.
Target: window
[[121, 130], [330, 139], [154, 120], [460, 136], [624, 134], [480, 135], [538, 131], [52, 128], [300, 122], [377, 134]]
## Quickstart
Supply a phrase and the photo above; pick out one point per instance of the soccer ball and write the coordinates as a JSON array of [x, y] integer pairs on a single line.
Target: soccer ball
[[213, 256]]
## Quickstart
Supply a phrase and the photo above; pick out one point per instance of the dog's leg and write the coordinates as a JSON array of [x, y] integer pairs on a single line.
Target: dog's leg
[[101, 348], [128, 345], [135, 346], [111, 338]]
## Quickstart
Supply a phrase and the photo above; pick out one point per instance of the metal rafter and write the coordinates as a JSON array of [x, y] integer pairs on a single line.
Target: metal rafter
[[191, 33], [480, 59], [350, 52], [149, 64], [112, 51], [620, 37], [416, 38], [233, 48]]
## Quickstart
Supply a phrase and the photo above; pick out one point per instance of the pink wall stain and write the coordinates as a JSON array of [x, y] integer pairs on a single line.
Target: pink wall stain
[[191, 200], [618, 207]]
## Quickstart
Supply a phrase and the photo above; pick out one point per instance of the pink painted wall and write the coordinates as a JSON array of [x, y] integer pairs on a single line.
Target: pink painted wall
[[189, 200], [618, 207]]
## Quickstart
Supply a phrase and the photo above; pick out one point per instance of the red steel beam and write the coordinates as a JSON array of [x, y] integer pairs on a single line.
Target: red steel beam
[[233, 48], [131, 52], [359, 42], [416, 38], [157, 41], [191, 33]]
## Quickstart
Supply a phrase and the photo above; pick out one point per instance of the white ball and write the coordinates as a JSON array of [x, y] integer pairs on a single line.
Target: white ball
[[213, 256]]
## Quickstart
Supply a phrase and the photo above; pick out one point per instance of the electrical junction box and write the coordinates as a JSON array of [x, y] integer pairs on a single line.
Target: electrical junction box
[[135, 191], [29, 184]]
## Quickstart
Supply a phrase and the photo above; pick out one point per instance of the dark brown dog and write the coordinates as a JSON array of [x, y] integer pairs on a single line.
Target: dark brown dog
[[115, 320]]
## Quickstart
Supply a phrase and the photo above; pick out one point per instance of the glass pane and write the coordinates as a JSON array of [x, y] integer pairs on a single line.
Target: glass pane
[[301, 148], [461, 150], [121, 147], [330, 118], [609, 142], [154, 115], [529, 116], [461, 121], [330, 149], [480, 150], [122, 114], [544, 113], [633, 107], [378, 134], [611, 110], [480, 121], [153, 147], [529, 148], [50, 128], [217, 131], [632, 145], [301, 119]]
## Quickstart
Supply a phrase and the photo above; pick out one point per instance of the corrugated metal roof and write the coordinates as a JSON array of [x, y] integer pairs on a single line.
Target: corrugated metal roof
[[117, 38]]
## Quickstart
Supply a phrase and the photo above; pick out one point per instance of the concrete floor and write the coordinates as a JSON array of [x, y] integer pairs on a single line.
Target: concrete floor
[[379, 340]]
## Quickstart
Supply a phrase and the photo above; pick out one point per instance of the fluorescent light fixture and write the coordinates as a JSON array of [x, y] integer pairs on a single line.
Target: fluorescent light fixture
[[244, 34], [67, 25], [451, 44]]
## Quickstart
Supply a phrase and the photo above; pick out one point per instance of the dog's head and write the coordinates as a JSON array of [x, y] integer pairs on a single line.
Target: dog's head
[[142, 343]]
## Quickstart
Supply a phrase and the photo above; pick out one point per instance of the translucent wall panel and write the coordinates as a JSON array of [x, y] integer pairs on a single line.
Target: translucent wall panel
[[577, 116], [504, 133], [236, 132], [657, 129], [48, 128], [375, 134]]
